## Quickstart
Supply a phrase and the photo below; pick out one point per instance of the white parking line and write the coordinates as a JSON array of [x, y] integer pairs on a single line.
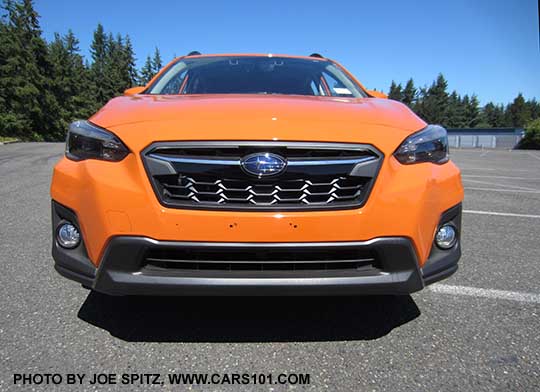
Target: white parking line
[[533, 155], [464, 168], [500, 214], [501, 190], [502, 177], [485, 293], [501, 185]]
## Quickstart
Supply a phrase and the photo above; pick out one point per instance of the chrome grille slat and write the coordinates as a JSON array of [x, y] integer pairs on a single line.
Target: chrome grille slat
[[263, 194]]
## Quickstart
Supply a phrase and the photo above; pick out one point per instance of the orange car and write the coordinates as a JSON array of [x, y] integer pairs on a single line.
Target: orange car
[[259, 175]]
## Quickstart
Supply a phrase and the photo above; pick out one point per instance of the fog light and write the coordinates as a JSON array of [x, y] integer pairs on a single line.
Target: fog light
[[68, 236], [446, 237]]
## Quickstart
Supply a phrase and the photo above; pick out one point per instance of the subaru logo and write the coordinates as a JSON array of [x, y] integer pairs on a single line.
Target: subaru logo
[[263, 164]]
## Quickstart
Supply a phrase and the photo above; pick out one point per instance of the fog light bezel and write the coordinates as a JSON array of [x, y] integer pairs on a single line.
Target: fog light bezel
[[59, 240], [454, 240]]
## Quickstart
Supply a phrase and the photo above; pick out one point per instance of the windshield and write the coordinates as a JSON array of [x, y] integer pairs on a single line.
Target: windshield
[[255, 75]]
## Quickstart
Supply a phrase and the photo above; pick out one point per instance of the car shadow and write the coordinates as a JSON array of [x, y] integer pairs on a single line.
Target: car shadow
[[247, 319]]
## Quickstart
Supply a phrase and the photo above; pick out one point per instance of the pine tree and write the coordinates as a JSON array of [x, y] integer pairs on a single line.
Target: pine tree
[[113, 67], [129, 62], [147, 72], [12, 121], [121, 65], [493, 115], [499, 116], [70, 81], [518, 113], [409, 93], [28, 107], [81, 97], [98, 50], [156, 62], [472, 112], [433, 105], [116, 76], [60, 58], [395, 92], [421, 94], [534, 108], [456, 111], [464, 105]]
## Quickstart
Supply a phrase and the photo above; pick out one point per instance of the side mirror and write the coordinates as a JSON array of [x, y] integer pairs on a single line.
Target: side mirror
[[134, 90], [377, 94]]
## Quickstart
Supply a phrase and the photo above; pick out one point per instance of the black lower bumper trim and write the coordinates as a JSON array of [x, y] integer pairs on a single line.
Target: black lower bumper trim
[[122, 271], [440, 275]]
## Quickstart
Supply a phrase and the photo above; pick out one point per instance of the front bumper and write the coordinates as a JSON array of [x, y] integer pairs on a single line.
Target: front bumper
[[117, 199], [125, 269]]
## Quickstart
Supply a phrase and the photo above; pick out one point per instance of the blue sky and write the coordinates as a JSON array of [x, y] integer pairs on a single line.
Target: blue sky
[[487, 47]]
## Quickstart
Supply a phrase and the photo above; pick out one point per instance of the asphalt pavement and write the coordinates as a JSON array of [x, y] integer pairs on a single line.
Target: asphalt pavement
[[478, 330]]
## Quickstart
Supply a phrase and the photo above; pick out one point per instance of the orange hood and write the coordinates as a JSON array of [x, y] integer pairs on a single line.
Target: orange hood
[[143, 119]]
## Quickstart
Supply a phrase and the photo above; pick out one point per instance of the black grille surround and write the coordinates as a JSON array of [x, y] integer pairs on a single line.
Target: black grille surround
[[208, 175]]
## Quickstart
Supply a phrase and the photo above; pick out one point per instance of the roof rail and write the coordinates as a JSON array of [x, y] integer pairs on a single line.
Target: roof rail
[[194, 53], [316, 55]]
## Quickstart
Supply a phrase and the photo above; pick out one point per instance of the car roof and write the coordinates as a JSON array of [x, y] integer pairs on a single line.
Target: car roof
[[254, 55]]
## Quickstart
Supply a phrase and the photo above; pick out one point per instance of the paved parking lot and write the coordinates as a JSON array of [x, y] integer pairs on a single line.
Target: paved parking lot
[[478, 330]]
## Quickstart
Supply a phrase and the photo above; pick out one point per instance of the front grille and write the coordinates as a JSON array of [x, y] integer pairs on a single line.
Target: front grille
[[209, 175], [322, 190], [260, 259]]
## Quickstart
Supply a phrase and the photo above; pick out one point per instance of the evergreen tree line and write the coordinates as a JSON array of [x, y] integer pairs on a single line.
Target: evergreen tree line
[[46, 85], [436, 105]]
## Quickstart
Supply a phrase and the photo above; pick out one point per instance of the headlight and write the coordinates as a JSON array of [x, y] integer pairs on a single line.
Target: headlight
[[87, 141], [428, 145]]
